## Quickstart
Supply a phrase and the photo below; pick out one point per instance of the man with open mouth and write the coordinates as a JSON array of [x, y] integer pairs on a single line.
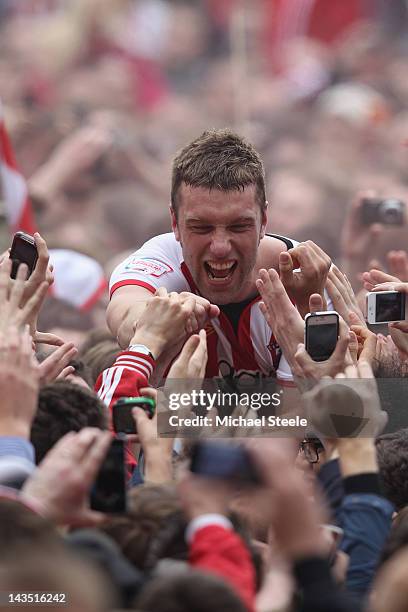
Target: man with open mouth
[[217, 247]]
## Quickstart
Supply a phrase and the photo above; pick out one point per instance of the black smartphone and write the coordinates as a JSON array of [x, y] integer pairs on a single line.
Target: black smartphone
[[321, 334], [218, 460], [109, 491], [122, 418], [23, 250]]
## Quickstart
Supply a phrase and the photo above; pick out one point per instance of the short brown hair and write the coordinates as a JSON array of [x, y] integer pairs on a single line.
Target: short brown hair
[[219, 159]]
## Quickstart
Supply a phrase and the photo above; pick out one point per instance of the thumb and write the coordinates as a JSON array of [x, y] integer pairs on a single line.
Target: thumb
[[285, 267], [316, 303]]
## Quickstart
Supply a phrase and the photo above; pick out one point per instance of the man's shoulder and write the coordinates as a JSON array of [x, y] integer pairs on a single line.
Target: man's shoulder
[[270, 247]]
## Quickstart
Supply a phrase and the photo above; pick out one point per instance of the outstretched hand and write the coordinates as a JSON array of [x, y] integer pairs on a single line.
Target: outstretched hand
[[60, 487], [303, 271]]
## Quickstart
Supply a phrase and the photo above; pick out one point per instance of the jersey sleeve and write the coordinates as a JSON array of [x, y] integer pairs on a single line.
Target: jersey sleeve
[[156, 264], [130, 372]]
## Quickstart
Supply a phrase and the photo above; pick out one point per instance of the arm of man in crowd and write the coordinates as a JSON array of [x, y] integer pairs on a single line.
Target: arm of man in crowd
[[213, 545], [296, 520], [365, 514], [159, 326], [359, 242], [19, 383], [129, 302]]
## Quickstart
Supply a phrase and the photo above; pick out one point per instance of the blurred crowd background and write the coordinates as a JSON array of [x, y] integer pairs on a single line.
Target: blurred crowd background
[[98, 95]]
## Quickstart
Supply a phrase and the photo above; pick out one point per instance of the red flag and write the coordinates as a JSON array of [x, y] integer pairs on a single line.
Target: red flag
[[13, 187]]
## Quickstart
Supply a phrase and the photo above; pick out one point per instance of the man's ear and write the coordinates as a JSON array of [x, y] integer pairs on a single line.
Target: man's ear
[[264, 220], [174, 225]]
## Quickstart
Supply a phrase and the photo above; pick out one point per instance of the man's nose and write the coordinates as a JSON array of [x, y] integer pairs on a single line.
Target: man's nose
[[220, 245]]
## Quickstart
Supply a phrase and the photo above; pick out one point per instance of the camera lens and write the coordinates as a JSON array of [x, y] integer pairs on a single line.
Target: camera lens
[[390, 212]]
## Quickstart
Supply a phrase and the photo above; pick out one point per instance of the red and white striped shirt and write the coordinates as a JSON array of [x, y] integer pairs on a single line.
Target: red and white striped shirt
[[249, 352]]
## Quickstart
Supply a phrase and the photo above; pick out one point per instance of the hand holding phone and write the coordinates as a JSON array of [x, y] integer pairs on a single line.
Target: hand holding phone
[[23, 250], [321, 334], [123, 421], [389, 211], [225, 461], [386, 307]]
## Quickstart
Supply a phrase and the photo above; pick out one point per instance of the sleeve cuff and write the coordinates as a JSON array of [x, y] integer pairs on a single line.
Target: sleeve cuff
[[204, 520], [362, 483], [13, 446], [142, 364]]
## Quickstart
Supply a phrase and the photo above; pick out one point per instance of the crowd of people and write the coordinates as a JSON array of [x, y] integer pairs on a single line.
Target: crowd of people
[[116, 111]]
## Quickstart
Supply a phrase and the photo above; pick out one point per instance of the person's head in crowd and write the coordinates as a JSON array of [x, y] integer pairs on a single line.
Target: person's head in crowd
[[35, 558], [295, 200], [33, 569], [81, 375], [219, 179], [19, 525], [99, 355], [398, 536], [63, 407], [126, 215], [61, 318], [392, 455], [149, 508], [390, 589], [188, 591], [101, 550]]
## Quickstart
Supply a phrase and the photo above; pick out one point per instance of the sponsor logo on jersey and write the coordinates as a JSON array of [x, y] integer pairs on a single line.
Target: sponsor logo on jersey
[[152, 267]]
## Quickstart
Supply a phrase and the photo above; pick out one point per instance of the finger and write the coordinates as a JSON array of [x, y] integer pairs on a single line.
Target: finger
[[401, 325], [65, 373], [17, 290], [378, 276], [369, 347], [50, 339], [55, 363], [149, 392], [199, 358], [93, 458], [41, 266], [286, 268], [189, 349], [35, 301], [403, 287], [85, 440], [351, 372], [304, 361], [5, 271], [364, 369], [144, 426], [161, 292], [316, 303]]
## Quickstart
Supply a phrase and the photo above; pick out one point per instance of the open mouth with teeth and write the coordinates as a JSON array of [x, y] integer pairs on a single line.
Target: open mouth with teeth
[[220, 272]]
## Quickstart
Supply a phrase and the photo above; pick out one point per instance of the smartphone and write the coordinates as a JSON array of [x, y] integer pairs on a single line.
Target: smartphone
[[122, 418], [321, 334], [23, 250], [386, 307], [218, 460], [389, 211], [109, 491]]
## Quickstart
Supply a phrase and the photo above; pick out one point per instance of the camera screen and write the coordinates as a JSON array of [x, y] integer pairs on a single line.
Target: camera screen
[[123, 420], [322, 340], [390, 307]]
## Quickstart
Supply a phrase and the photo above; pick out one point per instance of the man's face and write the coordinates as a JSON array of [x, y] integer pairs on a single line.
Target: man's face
[[219, 233]]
